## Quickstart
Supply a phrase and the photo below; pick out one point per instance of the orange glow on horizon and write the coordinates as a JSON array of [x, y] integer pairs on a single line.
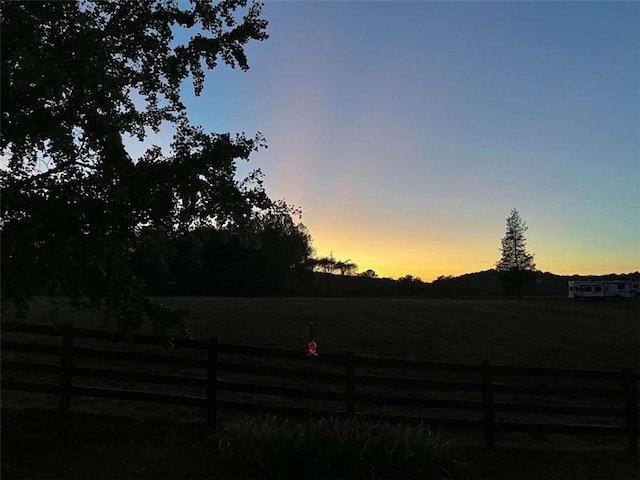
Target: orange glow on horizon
[[393, 256]]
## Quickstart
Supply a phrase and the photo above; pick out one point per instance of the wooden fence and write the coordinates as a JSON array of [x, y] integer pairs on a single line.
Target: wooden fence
[[352, 386]]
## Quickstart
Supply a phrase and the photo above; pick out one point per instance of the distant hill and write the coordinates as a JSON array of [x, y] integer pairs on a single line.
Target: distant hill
[[479, 284], [488, 282]]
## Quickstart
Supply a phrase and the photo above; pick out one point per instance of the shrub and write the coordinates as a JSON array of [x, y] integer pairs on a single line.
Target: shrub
[[268, 447]]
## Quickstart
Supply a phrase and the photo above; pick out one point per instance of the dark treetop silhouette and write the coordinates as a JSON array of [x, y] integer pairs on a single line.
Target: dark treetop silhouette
[[77, 79]]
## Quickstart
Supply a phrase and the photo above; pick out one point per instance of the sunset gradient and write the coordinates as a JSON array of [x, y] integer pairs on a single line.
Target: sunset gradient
[[407, 131]]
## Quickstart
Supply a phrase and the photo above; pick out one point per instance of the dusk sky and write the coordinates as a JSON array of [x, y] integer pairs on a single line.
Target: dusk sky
[[407, 131]]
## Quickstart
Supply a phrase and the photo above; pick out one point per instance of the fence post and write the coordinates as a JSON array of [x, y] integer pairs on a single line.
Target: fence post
[[212, 382], [350, 387], [66, 367], [631, 396], [487, 405]]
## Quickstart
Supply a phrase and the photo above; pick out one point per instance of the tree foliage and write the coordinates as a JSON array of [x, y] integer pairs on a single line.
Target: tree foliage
[[268, 259], [331, 264], [368, 274], [77, 80], [346, 267], [324, 264], [516, 265]]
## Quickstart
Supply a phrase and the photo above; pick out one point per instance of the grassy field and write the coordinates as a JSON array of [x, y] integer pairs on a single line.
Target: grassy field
[[554, 332], [133, 440]]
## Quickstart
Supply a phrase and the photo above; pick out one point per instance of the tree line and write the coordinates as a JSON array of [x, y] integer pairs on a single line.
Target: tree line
[[276, 258]]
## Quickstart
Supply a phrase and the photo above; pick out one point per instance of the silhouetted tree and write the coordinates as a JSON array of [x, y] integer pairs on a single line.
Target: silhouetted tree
[[410, 279], [324, 264], [328, 265], [345, 268], [281, 249], [368, 274], [450, 286], [77, 80], [268, 258], [516, 266], [410, 285]]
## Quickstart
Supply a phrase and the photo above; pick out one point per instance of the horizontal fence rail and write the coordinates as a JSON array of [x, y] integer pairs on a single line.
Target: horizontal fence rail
[[349, 385]]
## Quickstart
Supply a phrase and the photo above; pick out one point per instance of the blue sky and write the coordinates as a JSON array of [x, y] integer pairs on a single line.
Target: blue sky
[[407, 131]]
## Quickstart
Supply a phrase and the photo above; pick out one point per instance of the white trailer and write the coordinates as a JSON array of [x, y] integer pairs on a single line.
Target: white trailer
[[602, 289]]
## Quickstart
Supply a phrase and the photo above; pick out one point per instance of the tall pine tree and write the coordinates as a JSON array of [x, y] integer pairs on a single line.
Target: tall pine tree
[[516, 266]]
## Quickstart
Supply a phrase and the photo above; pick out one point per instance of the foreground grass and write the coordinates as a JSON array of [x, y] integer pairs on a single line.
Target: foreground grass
[[333, 448], [38, 444]]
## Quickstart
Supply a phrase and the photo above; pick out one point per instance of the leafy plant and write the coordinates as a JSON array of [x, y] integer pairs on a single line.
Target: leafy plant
[[268, 447]]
